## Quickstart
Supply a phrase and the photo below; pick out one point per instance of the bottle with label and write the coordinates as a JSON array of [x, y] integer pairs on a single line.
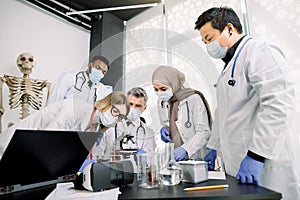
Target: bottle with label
[[171, 172]]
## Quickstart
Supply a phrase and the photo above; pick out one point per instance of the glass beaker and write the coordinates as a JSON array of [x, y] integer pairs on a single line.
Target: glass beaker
[[171, 172], [148, 170]]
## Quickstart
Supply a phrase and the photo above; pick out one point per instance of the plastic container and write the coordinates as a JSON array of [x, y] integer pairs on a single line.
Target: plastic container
[[194, 171]]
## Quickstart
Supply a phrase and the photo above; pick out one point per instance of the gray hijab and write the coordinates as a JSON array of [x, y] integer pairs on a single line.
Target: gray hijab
[[169, 76]]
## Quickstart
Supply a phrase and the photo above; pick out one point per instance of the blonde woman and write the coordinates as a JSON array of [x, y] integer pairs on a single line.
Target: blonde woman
[[72, 115]]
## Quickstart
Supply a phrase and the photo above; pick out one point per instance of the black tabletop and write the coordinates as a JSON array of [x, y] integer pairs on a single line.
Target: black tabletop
[[235, 191]]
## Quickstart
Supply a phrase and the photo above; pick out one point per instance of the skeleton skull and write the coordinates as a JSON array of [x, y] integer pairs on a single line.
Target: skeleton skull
[[26, 62]]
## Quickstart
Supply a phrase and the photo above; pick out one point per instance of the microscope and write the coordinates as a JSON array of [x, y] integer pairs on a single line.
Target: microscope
[[116, 171], [125, 143]]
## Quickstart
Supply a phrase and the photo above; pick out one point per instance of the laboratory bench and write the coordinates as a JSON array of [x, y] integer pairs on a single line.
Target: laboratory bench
[[235, 191]]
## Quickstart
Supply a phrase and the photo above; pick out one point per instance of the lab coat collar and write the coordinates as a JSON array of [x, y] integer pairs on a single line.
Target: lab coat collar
[[183, 101], [135, 123], [243, 40], [233, 52]]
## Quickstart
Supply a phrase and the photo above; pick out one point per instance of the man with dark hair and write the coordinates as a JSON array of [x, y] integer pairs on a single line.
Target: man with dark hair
[[255, 106], [84, 85]]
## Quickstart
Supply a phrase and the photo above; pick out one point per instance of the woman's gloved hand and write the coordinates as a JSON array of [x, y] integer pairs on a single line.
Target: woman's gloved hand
[[180, 153], [165, 134], [98, 140], [138, 151], [85, 163], [210, 158], [249, 171]]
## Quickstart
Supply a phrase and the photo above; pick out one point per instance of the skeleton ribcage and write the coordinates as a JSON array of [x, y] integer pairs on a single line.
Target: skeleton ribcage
[[25, 91]]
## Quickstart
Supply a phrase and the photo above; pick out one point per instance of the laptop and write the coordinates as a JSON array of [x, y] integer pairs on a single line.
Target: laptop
[[35, 158]]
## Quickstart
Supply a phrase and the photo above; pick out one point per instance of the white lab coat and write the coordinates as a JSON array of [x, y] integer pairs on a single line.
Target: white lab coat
[[255, 115], [69, 114], [194, 138], [75, 85], [144, 140]]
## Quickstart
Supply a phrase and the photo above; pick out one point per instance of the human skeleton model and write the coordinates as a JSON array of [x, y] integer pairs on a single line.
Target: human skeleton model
[[23, 91]]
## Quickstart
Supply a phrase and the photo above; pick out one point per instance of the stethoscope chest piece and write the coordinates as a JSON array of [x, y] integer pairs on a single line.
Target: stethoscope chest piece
[[231, 82], [188, 124]]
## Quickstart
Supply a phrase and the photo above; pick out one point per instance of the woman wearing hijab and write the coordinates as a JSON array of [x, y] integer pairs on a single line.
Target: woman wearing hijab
[[72, 115], [184, 114]]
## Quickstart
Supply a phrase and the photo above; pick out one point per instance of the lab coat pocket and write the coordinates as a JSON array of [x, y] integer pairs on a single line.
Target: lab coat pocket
[[238, 91]]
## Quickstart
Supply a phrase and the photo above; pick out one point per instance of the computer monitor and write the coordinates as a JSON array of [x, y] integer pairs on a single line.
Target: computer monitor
[[40, 157]]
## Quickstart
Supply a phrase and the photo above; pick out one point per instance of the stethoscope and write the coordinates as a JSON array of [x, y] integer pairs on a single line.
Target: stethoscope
[[231, 82], [136, 133], [78, 86], [188, 123]]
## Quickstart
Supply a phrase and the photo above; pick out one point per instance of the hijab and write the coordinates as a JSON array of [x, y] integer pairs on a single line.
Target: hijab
[[175, 79]]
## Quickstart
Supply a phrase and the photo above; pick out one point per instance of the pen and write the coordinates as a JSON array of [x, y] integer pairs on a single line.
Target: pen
[[206, 187]]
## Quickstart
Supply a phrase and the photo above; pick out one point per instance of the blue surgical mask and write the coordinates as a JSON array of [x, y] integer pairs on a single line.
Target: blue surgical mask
[[165, 96], [96, 75], [107, 119], [134, 114], [215, 50]]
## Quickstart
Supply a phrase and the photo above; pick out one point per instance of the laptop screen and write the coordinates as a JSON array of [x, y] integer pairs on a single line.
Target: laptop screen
[[34, 156]]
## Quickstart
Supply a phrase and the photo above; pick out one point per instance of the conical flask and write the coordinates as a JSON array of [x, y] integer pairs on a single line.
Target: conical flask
[[170, 173]]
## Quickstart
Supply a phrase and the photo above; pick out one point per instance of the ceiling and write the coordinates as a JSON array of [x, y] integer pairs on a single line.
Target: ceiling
[[62, 8]]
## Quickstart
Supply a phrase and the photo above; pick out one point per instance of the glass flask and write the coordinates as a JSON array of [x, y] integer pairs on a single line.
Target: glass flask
[[171, 172]]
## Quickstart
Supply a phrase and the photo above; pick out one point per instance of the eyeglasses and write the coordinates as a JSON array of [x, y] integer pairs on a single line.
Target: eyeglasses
[[115, 112]]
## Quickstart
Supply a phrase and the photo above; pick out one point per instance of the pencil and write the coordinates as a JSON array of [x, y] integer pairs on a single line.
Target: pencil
[[206, 187]]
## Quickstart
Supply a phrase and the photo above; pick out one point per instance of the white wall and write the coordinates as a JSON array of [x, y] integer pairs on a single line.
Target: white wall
[[57, 45]]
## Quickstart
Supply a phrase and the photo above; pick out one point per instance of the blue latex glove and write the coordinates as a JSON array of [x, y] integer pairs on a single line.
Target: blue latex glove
[[249, 171], [210, 158], [180, 153], [85, 163], [98, 140], [165, 134], [138, 151]]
